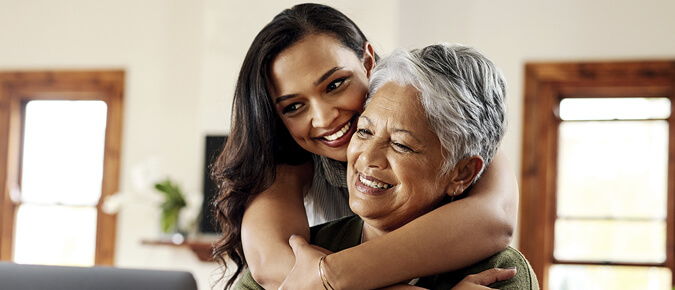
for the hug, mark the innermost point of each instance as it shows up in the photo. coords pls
(433, 121)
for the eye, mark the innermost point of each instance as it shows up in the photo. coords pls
(334, 85)
(363, 133)
(292, 108)
(401, 148)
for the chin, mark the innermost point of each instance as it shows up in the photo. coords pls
(367, 211)
(339, 154)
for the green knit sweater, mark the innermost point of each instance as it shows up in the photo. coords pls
(346, 232)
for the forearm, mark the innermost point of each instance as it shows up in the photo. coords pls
(266, 248)
(451, 237)
(448, 241)
(270, 219)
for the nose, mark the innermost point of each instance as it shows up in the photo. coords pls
(371, 154)
(323, 114)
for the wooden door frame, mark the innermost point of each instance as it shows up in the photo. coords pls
(23, 86)
(545, 85)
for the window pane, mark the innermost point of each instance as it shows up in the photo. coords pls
(614, 108)
(55, 235)
(613, 241)
(63, 152)
(571, 277)
(613, 169)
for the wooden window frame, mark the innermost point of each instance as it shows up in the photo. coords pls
(18, 88)
(545, 86)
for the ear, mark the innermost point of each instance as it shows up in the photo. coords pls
(368, 58)
(463, 174)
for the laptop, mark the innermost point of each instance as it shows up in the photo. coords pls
(31, 277)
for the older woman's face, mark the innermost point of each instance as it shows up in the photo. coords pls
(394, 159)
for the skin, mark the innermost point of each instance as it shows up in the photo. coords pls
(277, 213)
(392, 176)
(402, 155)
(319, 88)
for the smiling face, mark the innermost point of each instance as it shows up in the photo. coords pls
(394, 161)
(318, 88)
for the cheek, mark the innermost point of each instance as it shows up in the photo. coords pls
(420, 179)
(356, 97)
(296, 128)
(353, 150)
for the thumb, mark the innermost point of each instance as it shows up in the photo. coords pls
(297, 242)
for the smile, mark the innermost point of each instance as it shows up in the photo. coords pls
(374, 184)
(339, 133)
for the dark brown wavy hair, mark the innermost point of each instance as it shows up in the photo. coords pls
(258, 139)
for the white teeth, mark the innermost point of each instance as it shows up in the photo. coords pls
(374, 184)
(340, 133)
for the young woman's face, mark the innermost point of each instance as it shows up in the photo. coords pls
(318, 88)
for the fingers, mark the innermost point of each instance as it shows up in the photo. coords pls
(297, 242)
(493, 275)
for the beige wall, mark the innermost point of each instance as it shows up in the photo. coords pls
(512, 33)
(182, 58)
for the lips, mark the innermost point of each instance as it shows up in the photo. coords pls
(341, 136)
(374, 183)
(339, 133)
(371, 185)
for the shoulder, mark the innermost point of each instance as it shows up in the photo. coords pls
(339, 234)
(246, 281)
(510, 257)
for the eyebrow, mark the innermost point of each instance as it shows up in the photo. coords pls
(316, 83)
(284, 97)
(395, 130)
(327, 74)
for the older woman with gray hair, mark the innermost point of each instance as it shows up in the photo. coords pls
(433, 121)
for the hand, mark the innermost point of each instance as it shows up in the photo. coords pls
(305, 272)
(482, 279)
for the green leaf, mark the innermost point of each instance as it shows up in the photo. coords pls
(174, 201)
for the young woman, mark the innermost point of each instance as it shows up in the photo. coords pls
(301, 87)
(416, 100)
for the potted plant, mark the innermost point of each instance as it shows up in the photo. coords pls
(174, 202)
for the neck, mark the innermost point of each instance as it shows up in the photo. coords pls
(370, 232)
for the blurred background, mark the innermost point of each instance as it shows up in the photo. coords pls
(179, 60)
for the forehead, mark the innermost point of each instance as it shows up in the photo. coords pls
(311, 57)
(398, 104)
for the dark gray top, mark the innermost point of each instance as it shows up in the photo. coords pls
(346, 233)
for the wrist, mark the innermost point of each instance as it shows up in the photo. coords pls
(331, 273)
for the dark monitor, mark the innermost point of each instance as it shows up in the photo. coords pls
(214, 145)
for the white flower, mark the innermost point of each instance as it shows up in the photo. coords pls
(189, 215)
(113, 203)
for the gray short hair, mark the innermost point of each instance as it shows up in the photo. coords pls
(462, 93)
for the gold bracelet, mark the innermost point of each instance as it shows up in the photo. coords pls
(325, 282)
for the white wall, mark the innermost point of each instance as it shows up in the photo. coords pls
(182, 58)
(158, 43)
(230, 27)
(514, 32)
